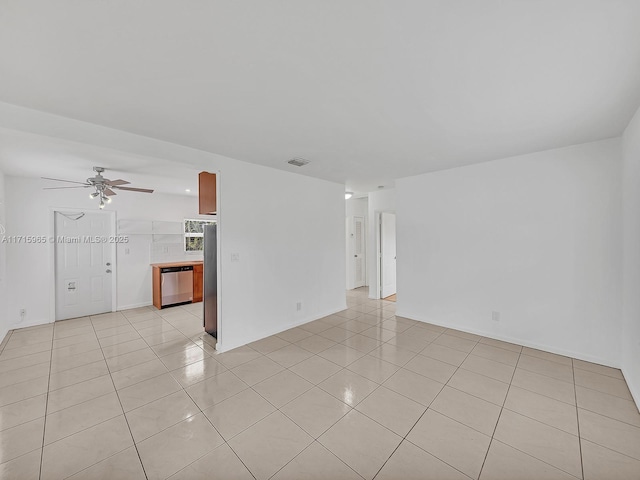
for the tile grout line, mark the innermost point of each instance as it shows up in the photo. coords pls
(538, 421)
(180, 385)
(575, 393)
(165, 396)
(536, 458)
(309, 446)
(424, 413)
(379, 385)
(100, 396)
(46, 404)
(499, 416)
(468, 353)
(183, 389)
(224, 440)
(346, 368)
(5, 341)
(608, 417)
(123, 412)
(352, 408)
(544, 375)
(279, 409)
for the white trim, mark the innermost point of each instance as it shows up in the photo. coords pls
(349, 275)
(514, 340)
(375, 295)
(219, 277)
(134, 305)
(52, 256)
(32, 323)
(633, 389)
(351, 247)
(277, 330)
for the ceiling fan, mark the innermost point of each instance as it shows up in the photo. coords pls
(103, 186)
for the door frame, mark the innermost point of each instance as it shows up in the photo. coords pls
(375, 291)
(377, 223)
(52, 256)
(350, 224)
(380, 269)
(219, 229)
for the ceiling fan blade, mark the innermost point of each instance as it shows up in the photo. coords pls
(68, 181)
(108, 192)
(113, 183)
(143, 190)
(58, 188)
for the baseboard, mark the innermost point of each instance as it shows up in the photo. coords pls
(4, 335)
(134, 305)
(633, 388)
(33, 323)
(254, 338)
(517, 341)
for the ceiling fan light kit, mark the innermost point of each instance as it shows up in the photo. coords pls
(103, 186)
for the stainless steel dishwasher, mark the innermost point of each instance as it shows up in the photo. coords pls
(177, 285)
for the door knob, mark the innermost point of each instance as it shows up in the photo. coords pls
(108, 270)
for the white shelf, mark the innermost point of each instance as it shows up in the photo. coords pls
(150, 227)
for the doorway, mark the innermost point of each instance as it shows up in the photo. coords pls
(84, 263)
(388, 255)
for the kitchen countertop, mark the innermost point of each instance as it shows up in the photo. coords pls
(177, 264)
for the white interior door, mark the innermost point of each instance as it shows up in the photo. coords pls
(83, 264)
(387, 254)
(359, 259)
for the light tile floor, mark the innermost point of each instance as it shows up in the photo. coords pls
(360, 394)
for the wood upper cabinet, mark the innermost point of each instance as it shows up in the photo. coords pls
(207, 193)
(197, 283)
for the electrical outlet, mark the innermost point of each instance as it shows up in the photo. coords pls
(298, 306)
(235, 257)
(127, 251)
(495, 316)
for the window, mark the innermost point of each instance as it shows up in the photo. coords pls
(194, 234)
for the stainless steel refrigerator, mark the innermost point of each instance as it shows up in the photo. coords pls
(210, 286)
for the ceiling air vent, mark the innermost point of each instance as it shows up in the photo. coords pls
(298, 162)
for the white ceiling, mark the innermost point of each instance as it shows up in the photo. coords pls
(369, 91)
(31, 155)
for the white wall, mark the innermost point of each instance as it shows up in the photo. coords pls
(288, 230)
(4, 321)
(535, 237)
(379, 201)
(355, 207)
(631, 270)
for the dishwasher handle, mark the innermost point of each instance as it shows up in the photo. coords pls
(184, 268)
